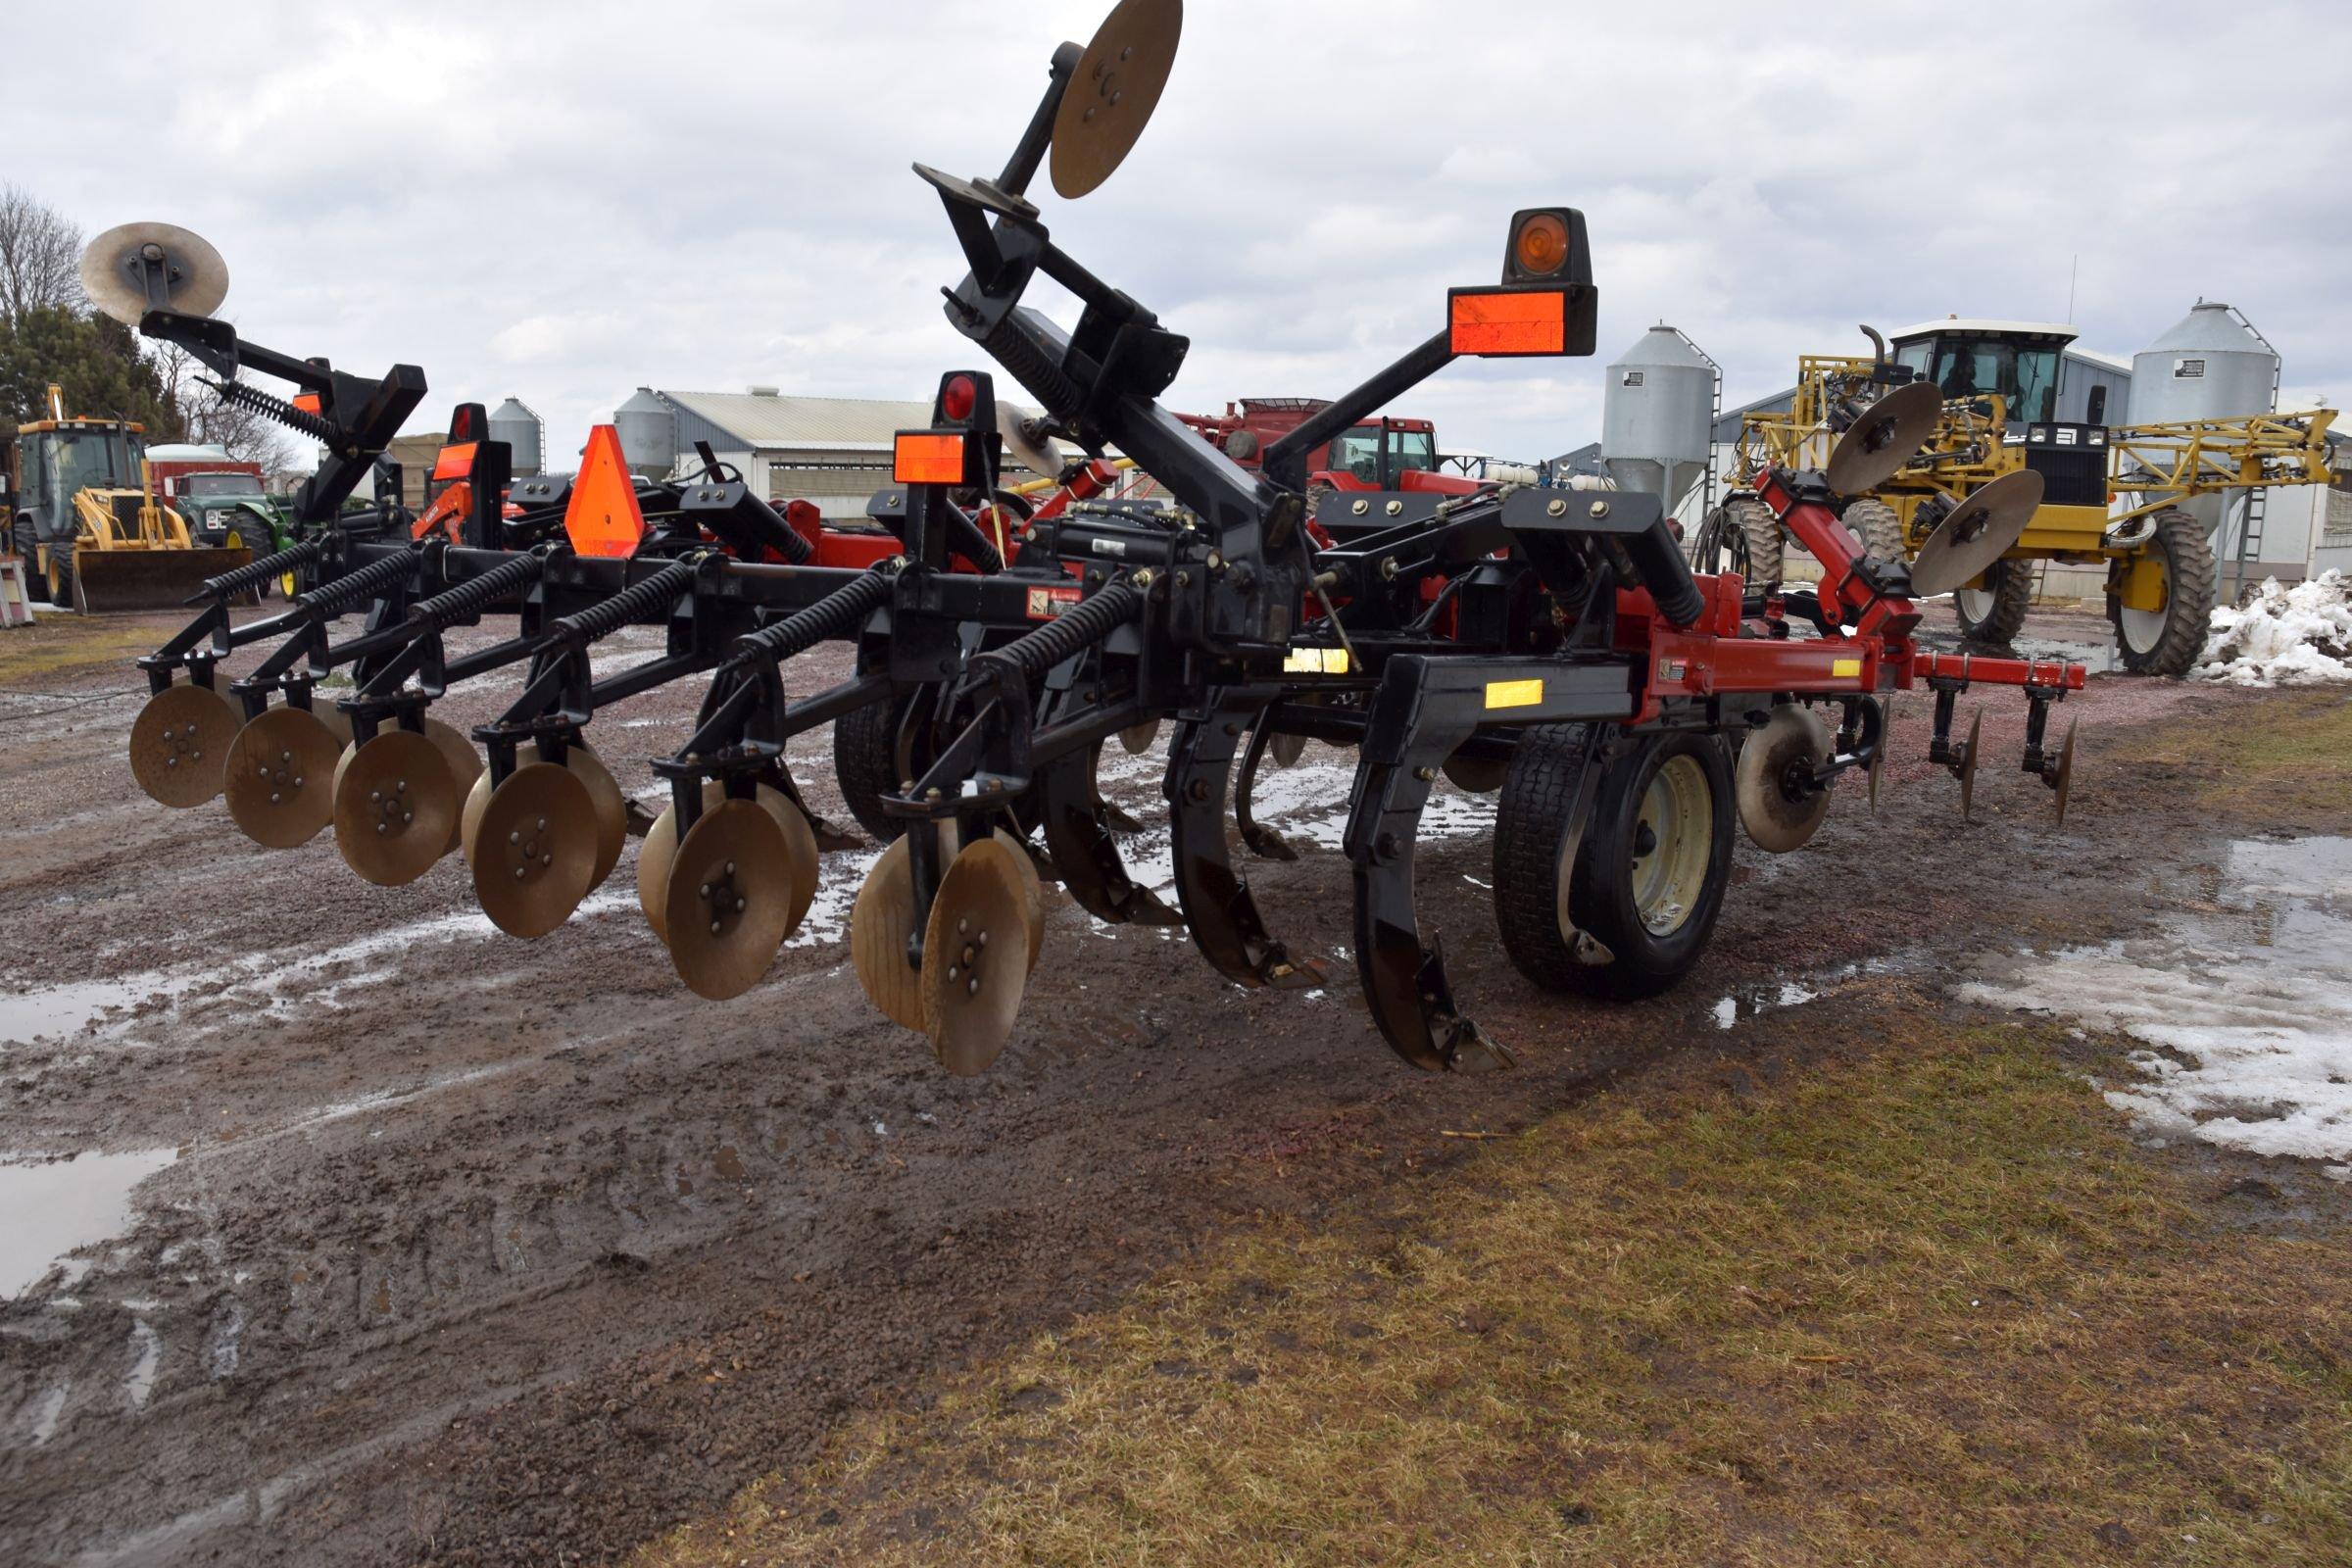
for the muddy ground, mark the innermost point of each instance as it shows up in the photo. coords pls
(367, 1234)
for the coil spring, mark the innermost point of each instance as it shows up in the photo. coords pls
(359, 584)
(1014, 350)
(837, 612)
(278, 409)
(608, 616)
(1088, 624)
(256, 572)
(470, 595)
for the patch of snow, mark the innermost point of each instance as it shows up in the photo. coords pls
(1727, 1012)
(2242, 1004)
(2295, 636)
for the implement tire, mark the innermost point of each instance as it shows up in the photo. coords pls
(1991, 616)
(1650, 870)
(869, 761)
(2166, 641)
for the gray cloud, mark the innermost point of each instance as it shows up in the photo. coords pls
(564, 202)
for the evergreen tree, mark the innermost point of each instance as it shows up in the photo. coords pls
(95, 360)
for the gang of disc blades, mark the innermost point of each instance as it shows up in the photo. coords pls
(179, 745)
(1887, 435)
(1777, 817)
(281, 777)
(1111, 94)
(729, 899)
(395, 808)
(880, 925)
(975, 957)
(1979, 531)
(198, 280)
(535, 850)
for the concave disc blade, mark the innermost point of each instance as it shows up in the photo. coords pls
(1137, 739)
(535, 850)
(1968, 766)
(1979, 531)
(1033, 894)
(1037, 458)
(1776, 818)
(198, 277)
(281, 777)
(1887, 435)
(470, 820)
(729, 899)
(612, 809)
(395, 808)
(879, 928)
(1114, 91)
(2066, 770)
(179, 745)
(654, 857)
(465, 766)
(800, 840)
(975, 957)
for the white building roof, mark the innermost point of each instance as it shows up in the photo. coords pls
(764, 422)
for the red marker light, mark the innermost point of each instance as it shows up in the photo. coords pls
(956, 397)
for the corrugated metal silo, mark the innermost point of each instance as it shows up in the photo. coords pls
(649, 433)
(1657, 414)
(2211, 365)
(513, 423)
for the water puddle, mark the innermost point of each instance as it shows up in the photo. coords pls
(51, 1208)
(58, 1011)
(2244, 1000)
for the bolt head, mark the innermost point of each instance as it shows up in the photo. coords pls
(1601, 508)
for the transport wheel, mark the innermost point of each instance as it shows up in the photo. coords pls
(873, 753)
(1760, 531)
(1994, 612)
(2173, 579)
(1876, 526)
(1649, 874)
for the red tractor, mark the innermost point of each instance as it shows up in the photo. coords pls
(1372, 456)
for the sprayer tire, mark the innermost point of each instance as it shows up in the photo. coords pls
(1762, 531)
(2010, 583)
(2171, 646)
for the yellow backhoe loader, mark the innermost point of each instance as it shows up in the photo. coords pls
(85, 519)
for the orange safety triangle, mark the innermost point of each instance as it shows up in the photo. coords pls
(604, 517)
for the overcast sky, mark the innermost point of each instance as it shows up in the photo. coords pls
(566, 202)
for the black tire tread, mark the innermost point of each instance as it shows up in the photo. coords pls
(1766, 551)
(2192, 578)
(1537, 792)
(865, 745)
(2012, 585)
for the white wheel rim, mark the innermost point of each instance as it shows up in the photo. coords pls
(2142, 629)
(1678, 810)
(1974, 603)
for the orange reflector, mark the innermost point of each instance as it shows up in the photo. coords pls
(1509, 321)
(604, 519)
(926, 457)
(455, 462)
(308, 402)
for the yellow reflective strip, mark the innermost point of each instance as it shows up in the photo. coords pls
(1514, 693)
(1845, 666)
(1315, 662)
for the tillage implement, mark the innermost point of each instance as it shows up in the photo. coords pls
(1550, 645)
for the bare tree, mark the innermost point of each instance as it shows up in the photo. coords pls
(40, 255)
(211, 419)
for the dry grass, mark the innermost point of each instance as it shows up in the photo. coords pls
(2285, 758)
(55, 642)
(1926, 1306)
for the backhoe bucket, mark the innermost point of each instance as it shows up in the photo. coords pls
(110, 581)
